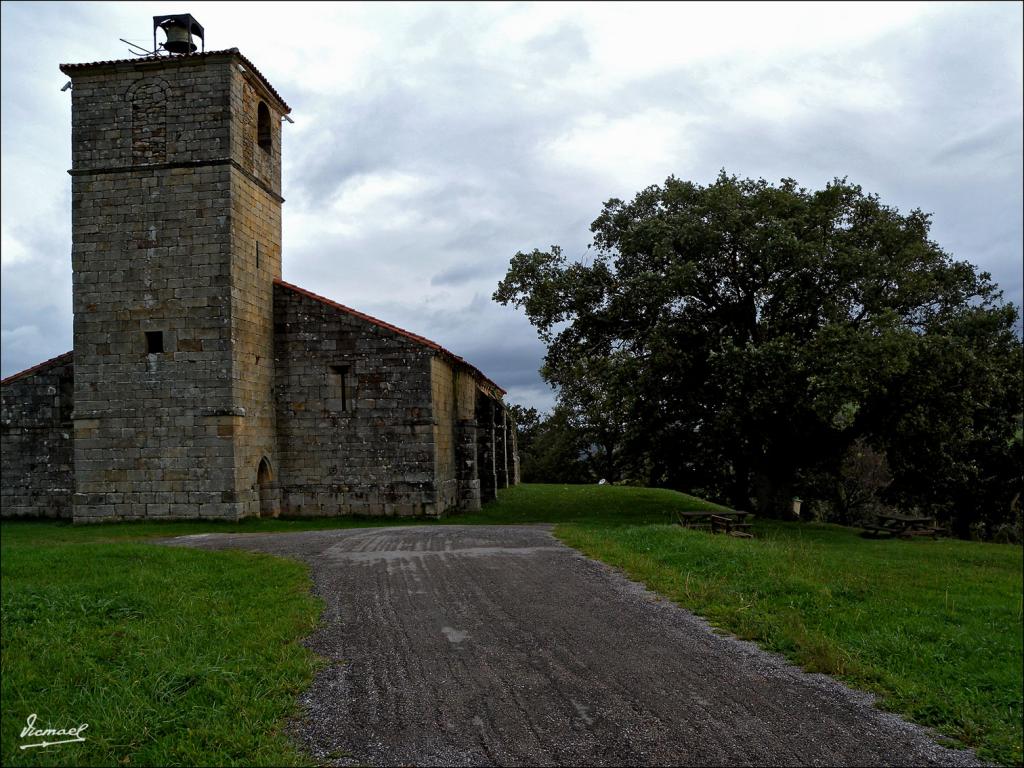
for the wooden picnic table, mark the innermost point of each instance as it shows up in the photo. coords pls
(905, 526)
(732, 522)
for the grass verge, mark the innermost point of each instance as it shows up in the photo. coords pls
(608, 505)
(172, 656)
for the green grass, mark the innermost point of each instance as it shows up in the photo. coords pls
(172, 656)
(592, 504)
(44, 532)
(178, 656)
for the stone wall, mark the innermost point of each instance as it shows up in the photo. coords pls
(165, 224)
(354, 413)
(172, 110)
(443, 388)
(36, 460)
(150, 433)
(151, 238)
(255, 264)
(454, 399)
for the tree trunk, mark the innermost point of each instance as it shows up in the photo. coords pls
(609, 462)
(774, 496)
(740, 493)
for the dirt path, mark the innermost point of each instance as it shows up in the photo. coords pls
(479, 645)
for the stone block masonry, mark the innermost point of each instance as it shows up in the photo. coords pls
(149, 411)
(36, 458)
(354, 414)
(176, 243)
(454, 392)
(373, 420)
(255, 265)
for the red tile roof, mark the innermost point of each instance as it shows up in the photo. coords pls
(69, 69)
(67, 357)
(394, 329)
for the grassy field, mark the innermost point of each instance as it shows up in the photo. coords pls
(171, 656)
(176, 656)
(605, 505)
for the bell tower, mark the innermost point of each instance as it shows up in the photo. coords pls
(176, 242)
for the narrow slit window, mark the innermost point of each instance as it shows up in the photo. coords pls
(263, 134)
(257, 254)
(67, 400)
(154, 342)
(340, 380)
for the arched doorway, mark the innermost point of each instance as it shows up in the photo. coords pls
(269, 495)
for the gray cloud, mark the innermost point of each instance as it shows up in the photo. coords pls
(416, 169)
(35, 315)
(461, 274)
(993, 143)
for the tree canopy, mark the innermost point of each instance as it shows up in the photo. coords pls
(739, 338)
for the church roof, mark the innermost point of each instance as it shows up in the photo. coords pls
(451, 356)
(67, 357)
(70, 69)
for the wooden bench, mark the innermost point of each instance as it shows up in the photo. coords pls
(731, 526)
(731, 522)
(904, 526)
(693, 519)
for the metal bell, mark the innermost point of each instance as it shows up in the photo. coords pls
(178, 39)
(181, 30)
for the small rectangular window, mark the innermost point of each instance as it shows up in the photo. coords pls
(257, 254)
(154, 342)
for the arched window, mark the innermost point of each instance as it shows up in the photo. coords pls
(263, 134)
(264, 474)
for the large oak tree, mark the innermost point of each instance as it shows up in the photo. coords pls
(738, 338)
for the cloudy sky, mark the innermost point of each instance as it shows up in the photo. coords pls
(433, 141)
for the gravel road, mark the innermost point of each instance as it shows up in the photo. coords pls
(497, 645)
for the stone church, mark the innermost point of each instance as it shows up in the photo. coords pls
(201, 385)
